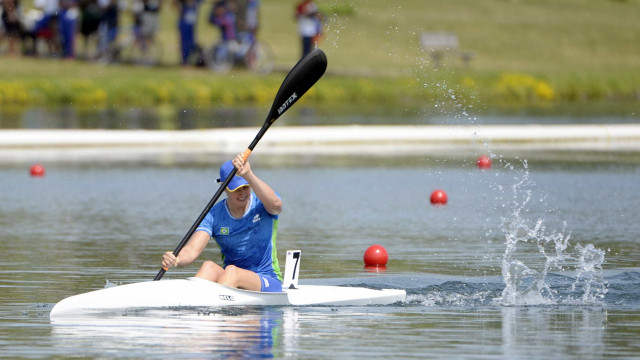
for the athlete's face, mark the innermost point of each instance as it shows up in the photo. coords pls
(239, 198)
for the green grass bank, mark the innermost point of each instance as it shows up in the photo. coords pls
(527, 56)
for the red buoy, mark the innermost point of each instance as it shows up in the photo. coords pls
(439, 197)
(375, 255)
(484, 162)
(37, 170)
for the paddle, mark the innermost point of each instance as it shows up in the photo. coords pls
(300, 79)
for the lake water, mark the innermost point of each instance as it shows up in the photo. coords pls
(527, 260)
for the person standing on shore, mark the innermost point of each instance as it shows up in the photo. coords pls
(109, 24)
(247, 16)
(223, 16)
(48, 23)
(244, 225)
(309, 25)
(90, 16)
(187, 27)
(67, 27)
(11, 13)
(149, 25)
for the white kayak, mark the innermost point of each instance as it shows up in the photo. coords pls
(197, 292)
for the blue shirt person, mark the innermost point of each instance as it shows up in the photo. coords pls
(244, 225)
(187, 27)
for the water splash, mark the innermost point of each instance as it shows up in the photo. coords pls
(589, 276)
(110, 284)
(454, 293)
(334, 23)
(533, 252)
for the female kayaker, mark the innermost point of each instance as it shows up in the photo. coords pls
(244, 225)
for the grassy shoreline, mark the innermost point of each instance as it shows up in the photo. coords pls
(530, 56)
(84, 85)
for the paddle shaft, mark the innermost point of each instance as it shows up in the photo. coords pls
(300, 79)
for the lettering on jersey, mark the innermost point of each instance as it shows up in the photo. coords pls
(256, 218)
(224, 230)
(226, 297)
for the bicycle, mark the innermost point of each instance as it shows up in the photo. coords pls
(255, 56)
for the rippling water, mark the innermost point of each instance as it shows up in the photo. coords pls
(525, 261)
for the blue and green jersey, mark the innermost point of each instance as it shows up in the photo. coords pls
(248, 242)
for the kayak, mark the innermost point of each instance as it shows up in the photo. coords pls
(195, 292)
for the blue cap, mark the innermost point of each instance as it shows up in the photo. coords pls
(236, 182)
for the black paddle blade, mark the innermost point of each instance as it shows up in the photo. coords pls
(300, 79)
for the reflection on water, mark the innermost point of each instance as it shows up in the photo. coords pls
(243, 333)
(540, 332)
(172, 118)
(157, 118)
(537, 332)
(167, 117)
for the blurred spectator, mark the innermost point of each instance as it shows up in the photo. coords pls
(50, 10)
(47, 26)
(247, 20)
(223, 16)
(90, 16)
(108, 29)
(67, 27)
(136, 8)
(11, 16)
(150, 21)
(309, 25)
(187, 27)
